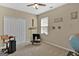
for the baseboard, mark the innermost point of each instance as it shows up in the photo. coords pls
(58, 46)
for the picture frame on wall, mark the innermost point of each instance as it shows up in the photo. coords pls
(74, 15)
(59, 27)
(53, 27)
(57, 20)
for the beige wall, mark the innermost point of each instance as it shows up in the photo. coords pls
(68, 26)
(15, 13)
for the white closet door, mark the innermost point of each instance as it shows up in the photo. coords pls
(20, 30)
(16, 27)
(9, 25)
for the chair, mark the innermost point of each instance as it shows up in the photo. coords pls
(36, 38)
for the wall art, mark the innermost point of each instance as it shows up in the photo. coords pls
(74, 15)
(57, 20)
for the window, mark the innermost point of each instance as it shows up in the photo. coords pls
(44, 25)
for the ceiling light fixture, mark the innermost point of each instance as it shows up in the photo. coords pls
(36, 5)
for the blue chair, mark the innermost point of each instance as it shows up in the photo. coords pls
(75, 42)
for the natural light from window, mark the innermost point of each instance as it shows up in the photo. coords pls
(44, 25)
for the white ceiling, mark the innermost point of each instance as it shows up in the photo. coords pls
(23, 7)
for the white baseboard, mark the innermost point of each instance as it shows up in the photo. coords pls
(58, 46)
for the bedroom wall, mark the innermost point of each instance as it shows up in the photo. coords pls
(68, 26)
(4, 11)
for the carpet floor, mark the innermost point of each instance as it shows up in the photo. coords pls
(40, 50)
